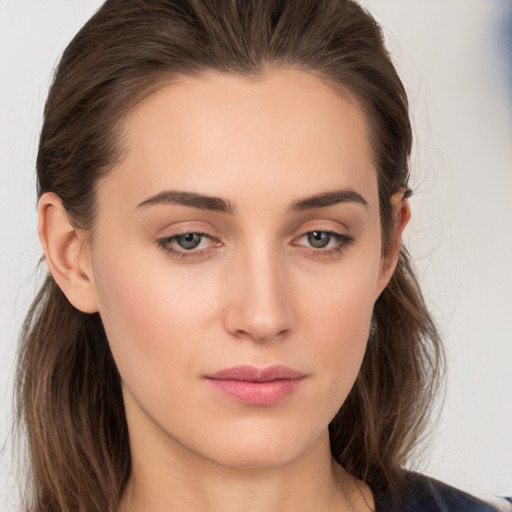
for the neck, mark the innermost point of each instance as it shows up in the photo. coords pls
(181, 480)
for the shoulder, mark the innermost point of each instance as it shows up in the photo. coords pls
(419, 493)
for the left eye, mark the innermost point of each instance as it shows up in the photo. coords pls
(318, 239)
(325, 241)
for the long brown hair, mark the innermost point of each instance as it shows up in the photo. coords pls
(68, 388)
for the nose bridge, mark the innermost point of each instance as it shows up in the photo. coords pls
(260, 307)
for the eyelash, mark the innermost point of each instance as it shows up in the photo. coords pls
(165, 244)
(343, 242)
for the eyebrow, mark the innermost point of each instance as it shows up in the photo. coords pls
(328, 199)
(217, 204)
(191, 199)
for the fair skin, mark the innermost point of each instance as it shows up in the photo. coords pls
(284, 270)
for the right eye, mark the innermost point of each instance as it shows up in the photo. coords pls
(187, 245)
(189, 240)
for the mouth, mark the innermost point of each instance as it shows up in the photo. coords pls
(255, 386)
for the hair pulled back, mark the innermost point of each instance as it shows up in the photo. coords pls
(68, 388)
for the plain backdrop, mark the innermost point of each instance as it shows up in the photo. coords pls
(455, 57)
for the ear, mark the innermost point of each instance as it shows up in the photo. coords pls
(401, 216)
(67, 253)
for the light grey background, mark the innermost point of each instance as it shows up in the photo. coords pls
(455, 57)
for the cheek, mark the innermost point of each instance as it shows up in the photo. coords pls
(154, 319)
(337, 317)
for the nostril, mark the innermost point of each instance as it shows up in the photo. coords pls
(261, 336)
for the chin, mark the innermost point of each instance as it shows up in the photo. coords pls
(260, 450)
(249, 458)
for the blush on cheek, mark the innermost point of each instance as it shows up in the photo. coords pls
(125, 310)
(150, 323)
(340, 328)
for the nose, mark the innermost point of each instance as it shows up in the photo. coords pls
(260, 300)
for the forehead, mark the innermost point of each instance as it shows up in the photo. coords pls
(215, 132)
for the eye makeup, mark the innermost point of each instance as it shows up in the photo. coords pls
(323, 243)
(188, 244)
(194, 244)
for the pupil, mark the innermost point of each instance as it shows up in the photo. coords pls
(189, 241)
(319, 239)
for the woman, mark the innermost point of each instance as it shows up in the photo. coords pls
(230, 320)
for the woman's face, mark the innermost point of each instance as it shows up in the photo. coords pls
(236, 260)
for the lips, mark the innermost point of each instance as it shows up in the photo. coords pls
(255, 386)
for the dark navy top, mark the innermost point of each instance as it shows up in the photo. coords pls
(419, 493)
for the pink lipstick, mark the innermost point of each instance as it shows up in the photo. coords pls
(253, 386)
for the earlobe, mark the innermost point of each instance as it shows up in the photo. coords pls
(401, 217)
(66, 253)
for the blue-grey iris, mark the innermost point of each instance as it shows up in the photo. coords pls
(319, 239)
(189, 241)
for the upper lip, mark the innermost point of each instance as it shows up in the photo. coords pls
(253, 374)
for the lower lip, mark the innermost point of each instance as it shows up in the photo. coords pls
(256, 393)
